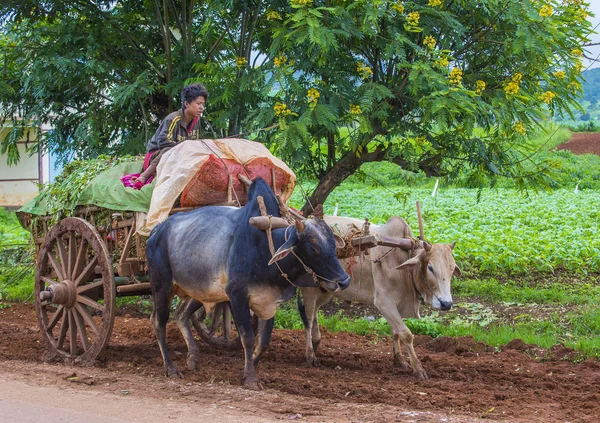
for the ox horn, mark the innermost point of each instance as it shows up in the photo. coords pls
(263, 222)
(426, 245)
(299, 226)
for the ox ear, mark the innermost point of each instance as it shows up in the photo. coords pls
(285, 249)
(452, 244)
(413, 262)
(339, 241)
(457, 271)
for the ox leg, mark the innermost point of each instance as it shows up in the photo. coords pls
(314, 299)
(163, 295)
(183, 315)
(265, 328)
(241, 313)
(401, 334)
(322, 299)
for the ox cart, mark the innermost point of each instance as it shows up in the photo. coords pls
(87, 260)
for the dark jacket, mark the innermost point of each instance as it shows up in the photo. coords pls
(172, 130)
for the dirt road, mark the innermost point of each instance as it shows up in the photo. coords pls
(356, 381)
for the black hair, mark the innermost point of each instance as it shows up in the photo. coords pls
(192, 92)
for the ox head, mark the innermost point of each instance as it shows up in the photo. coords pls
(433, 269)
(314, 244)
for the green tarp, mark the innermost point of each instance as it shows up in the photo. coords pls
(105, 190)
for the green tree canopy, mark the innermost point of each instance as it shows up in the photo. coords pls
(442, 86)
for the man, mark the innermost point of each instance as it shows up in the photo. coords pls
(177, 127)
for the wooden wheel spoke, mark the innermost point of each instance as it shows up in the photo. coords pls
(88, 318)
(72, 333)
(48, 281)
(80, 259)
(55, 265)
(62, 254)
(72, 254)
(84, 288)
(55, 318)
(63, 330)
(89, 302)
(86, 271)
(81, 329)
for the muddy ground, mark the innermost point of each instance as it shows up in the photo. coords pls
(356, 380)
(583, 143)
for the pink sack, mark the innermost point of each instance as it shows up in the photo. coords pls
(128, 181)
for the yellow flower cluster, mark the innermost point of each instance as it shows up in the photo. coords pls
(479, 86)
(582, 14)
(355, 109)
(574, 2)
(398, 7)
(442, 62)
(434, 3)
(413, 18)
(576, 52)
(363, 70)
(559, 74)
(578, 67)
(455, 76)
(546, 11)
(301, 3)
(281, 109)
(512, 87)
(280, 60)
(312, 95)
(240, 62)
(574, 86)
(547, 97)
(273, 15)
(429, 42)
(520, 128)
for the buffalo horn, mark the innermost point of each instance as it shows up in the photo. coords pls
(262, 222)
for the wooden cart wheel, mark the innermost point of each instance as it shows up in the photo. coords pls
(74, 291)
(218, 327)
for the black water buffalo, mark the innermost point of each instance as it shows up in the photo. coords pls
(213, 254)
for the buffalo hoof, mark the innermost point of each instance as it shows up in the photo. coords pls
(253, 384)
(172, 371)
(193, 362)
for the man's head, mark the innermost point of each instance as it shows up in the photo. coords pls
(193, 98)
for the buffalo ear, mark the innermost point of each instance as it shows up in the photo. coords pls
(457, 271)
(284, 250)
(413, 262)
(339, 241)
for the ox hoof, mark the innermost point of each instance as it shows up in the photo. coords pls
(420, 374)
(193, 363)
(316, 344)
(312, 361)
(172, 371)
(253, 384)
(401, 363)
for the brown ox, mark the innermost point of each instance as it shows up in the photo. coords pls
(391, 279)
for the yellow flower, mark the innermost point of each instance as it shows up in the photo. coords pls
(301, 3)
(355, 109)
(273, 15)
(578, 66)
(429, 42)
(281, 109)
(576, 52)
(434, 3)
(479, 86)
(582, 14)
(546, 11)
(280, 60)
(442, 62)
(240, 62)
(574, 86)
(559, 74)
(520, 127)
(312, 95)
(517, 77)
(413, 18)
(363, 70)
(547, 97)
(511, 88)
(574, 2)
(455, 76)
(398, 7)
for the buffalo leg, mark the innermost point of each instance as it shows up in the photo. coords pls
(241, 313)
(183, 315)
(162, 294)
(401, 334)
(265, 328)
